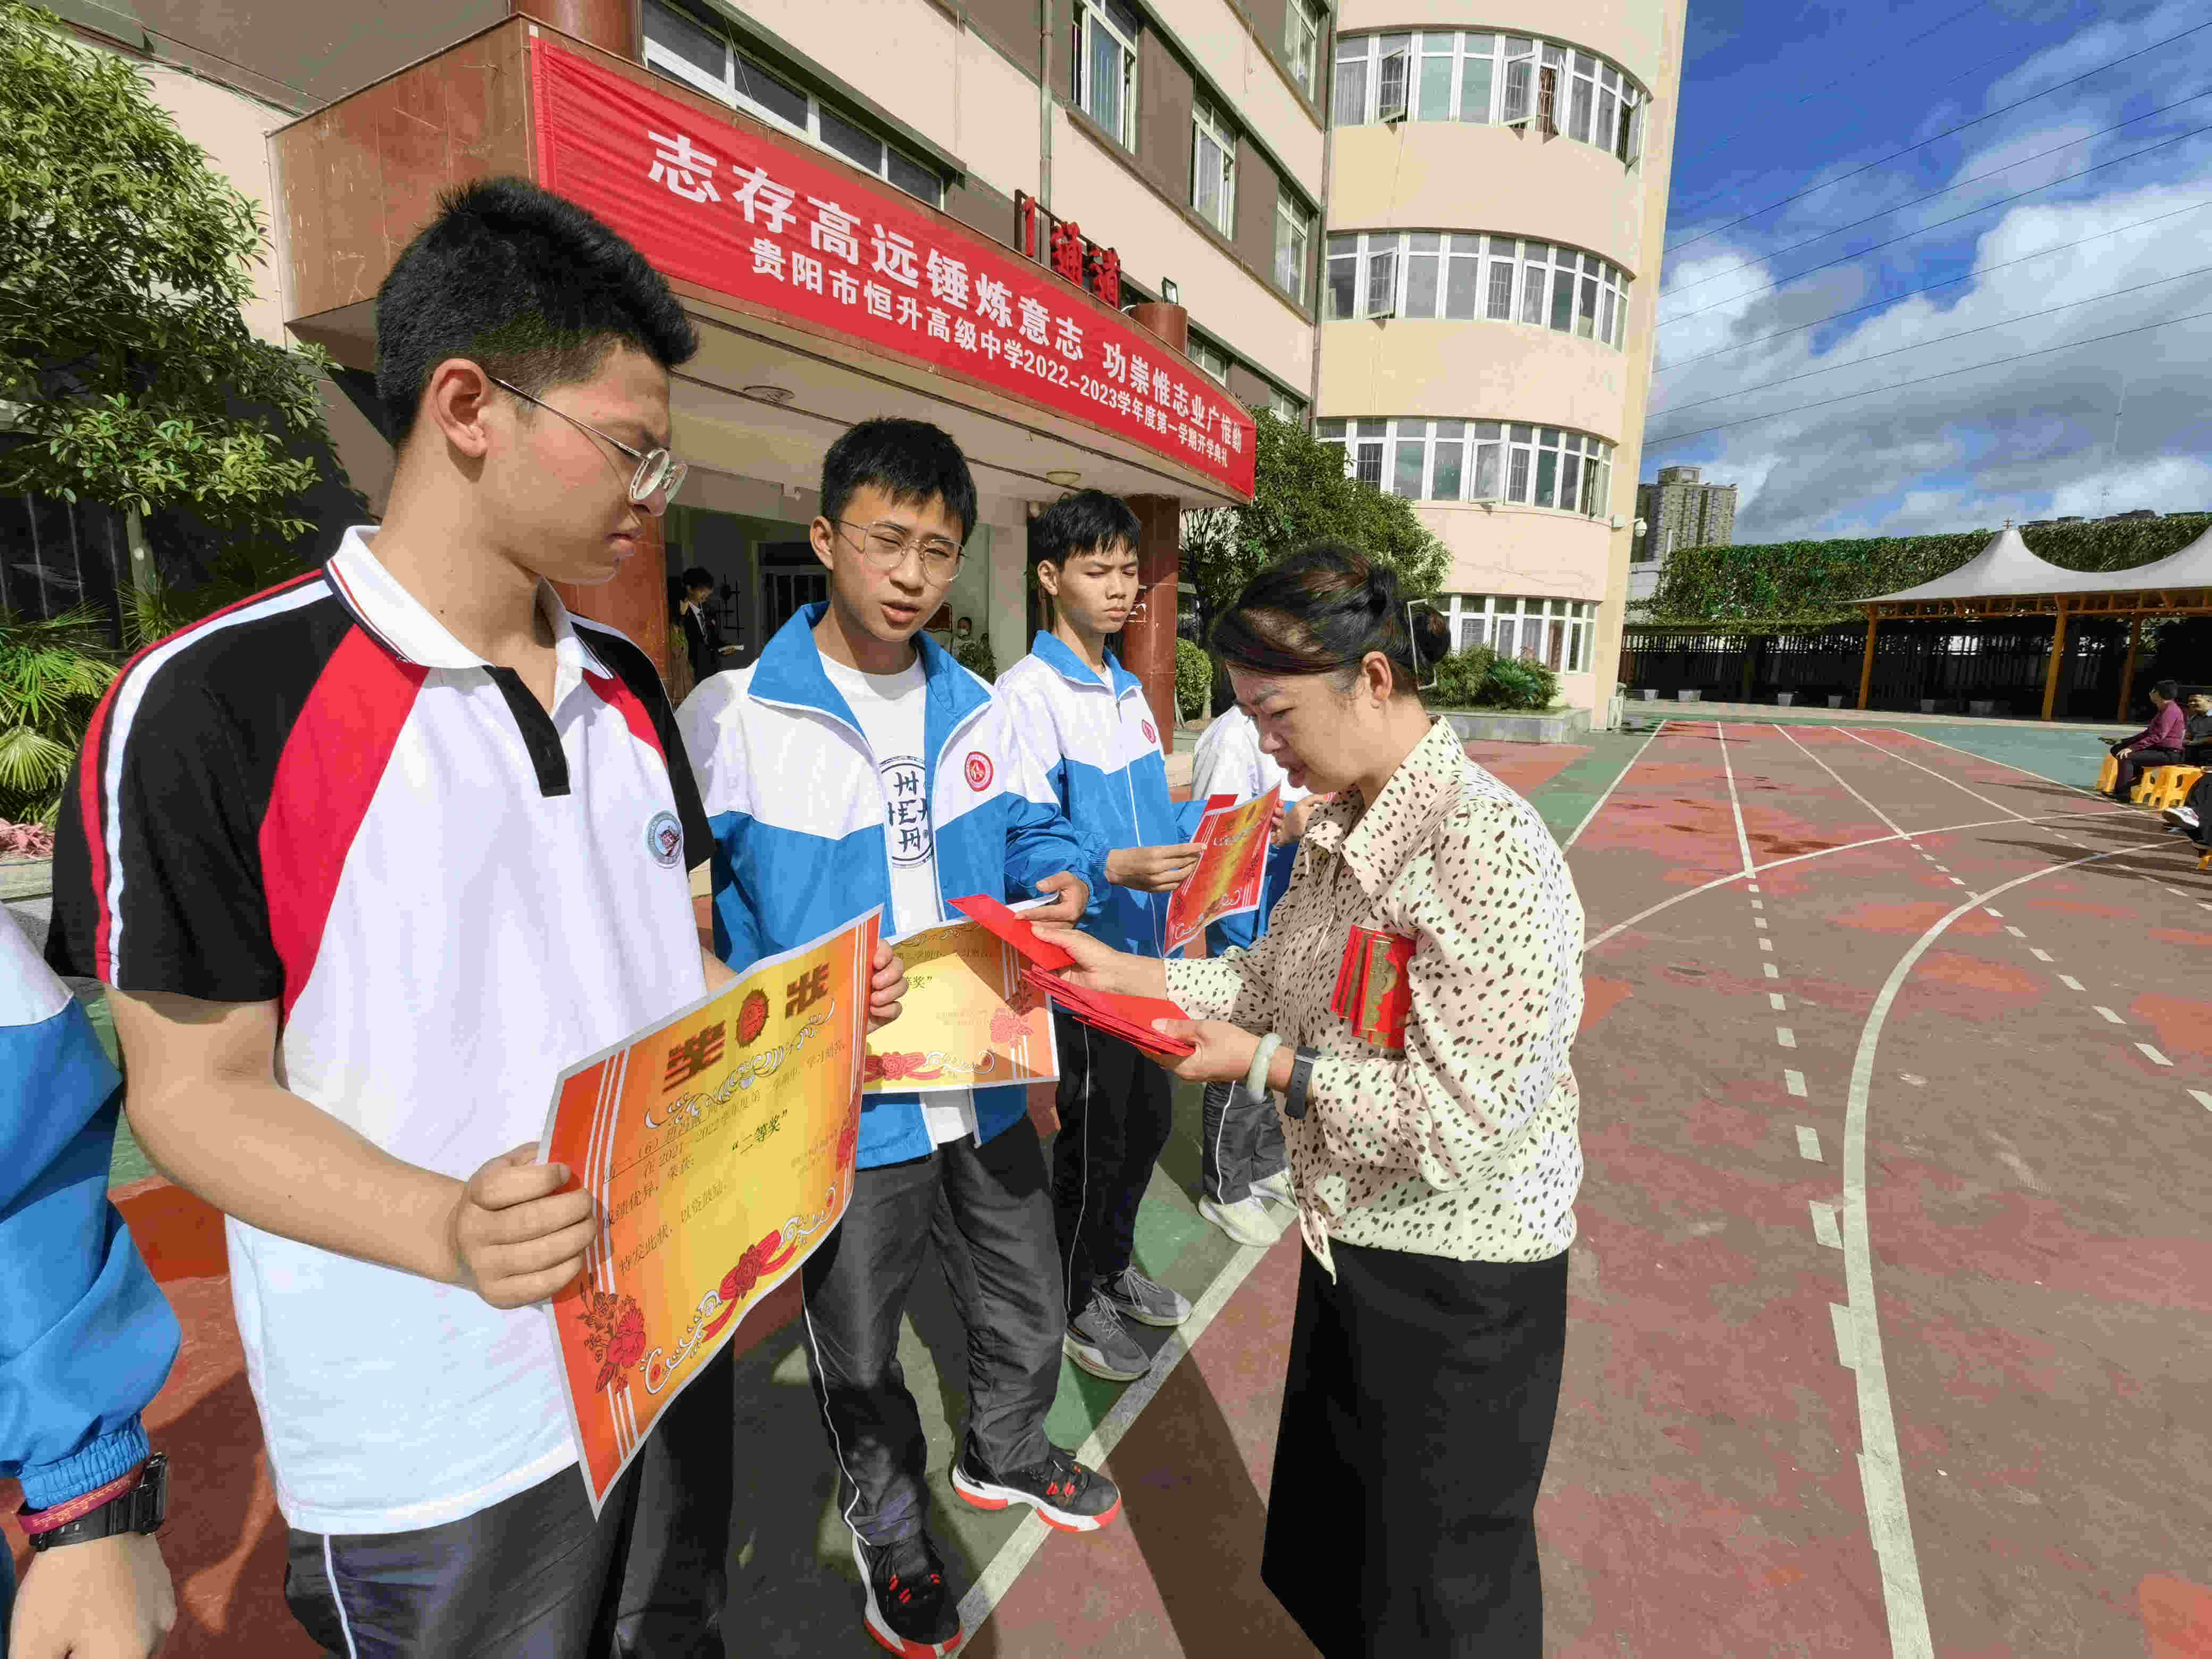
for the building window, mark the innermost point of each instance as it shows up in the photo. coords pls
(679, 46)
(1106, 66)
(1462, 276)
(1210, 357)
(1465, 75)
(1293, 235)
(1213, 169)
(1554, 632)
(1302, 30)
(1287, 406)
(1467, 460)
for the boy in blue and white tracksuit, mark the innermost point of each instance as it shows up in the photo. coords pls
(856, 764)
(1085, 721)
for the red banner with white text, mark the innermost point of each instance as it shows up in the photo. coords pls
(770, 223)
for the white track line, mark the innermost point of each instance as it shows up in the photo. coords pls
(1929, 770)
(1881, 1471)
(997, 1579)
(1894, 825)
(1591, 815)
(1620, 928)
(1742, 842)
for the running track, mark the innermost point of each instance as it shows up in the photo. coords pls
(1892, 1310)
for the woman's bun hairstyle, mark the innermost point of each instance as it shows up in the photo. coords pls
(1322, 612)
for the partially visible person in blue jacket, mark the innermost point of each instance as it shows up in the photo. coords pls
(86, 1339)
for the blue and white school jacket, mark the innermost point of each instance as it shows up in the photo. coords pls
(794, 797)
(86, 1337)
(1100, 754)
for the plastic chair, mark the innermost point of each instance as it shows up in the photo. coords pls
(2108, 774)
(2166, 786)
(2171, 784)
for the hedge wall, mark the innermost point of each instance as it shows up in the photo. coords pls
(1800, 582)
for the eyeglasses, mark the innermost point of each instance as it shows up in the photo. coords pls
(885, 547)
(660, 474)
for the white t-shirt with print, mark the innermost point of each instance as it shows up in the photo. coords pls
(889, 709)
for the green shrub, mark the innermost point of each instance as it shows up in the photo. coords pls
(1193, 679)
(974, 654)
(1459, 678)
(1518, 683)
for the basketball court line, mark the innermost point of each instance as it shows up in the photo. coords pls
(1895, 827)
(1882, 1473)
(1599, 804)
(1929, 770)
(998, 1575)
(1735, 801)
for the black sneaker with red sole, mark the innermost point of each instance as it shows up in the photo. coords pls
(909, 1610)
(1069, 1497)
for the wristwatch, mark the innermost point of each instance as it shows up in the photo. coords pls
(1294, 1092)
(142, 1508)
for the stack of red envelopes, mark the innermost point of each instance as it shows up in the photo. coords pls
(1128, 1017)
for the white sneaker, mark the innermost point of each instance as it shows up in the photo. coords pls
(1248, 1220)
(1276, 1189)
(2181, 815)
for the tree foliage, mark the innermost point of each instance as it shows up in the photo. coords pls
(1300, 497)
(1809, 582)
(134, 377)
(1193, 679)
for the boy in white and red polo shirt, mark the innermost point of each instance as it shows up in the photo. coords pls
(365, 861)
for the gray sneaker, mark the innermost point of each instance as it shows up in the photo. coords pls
(1276, 1189)
(1099, 1342)
(1133, 1295)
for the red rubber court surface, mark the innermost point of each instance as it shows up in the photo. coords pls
(1892, 1327)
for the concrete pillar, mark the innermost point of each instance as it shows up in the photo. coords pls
(1148, 643)
(636, 600)
(1007, 611)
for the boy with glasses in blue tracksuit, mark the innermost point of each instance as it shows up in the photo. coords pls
(1085, 722)
(856, 764)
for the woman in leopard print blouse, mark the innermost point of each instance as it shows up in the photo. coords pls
(1411, 1005)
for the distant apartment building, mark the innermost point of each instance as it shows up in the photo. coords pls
(1677, 512)
(1496, 203)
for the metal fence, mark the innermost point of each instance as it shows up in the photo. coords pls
(57, 555)
(1959, 666)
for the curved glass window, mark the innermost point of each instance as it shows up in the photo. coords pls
(1462, 276)
(1425, 460)
(1508, 80)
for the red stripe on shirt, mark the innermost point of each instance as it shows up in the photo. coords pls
(615, 692)
(91, 764)
(333, 760)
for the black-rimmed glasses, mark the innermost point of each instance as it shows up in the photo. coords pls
(660, 474)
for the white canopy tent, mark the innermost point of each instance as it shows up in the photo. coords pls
(2006, 578)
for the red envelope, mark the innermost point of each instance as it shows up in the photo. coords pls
(1014, 929)
(1128, 1017)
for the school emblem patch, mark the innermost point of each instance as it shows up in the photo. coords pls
(1151, 736)
(979, 770)
(664, 839)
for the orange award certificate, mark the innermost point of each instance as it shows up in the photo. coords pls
(969, 1019)
(1232, 871)
(718, 1149)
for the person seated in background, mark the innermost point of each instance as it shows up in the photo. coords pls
(2196, 729)
(2157, 744)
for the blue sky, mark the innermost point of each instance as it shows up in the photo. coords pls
(1781, 95)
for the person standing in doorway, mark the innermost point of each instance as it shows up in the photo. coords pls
(1431, 1126)
(1084, 720)
(702, 634)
